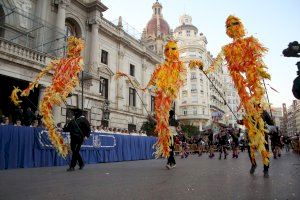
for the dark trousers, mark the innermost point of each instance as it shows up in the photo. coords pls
(171, 159)
(252, 160)
(75, 147)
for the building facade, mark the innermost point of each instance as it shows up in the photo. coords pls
(233, 101)
(293, 118)
(157, 31)
(277, 115)
(199, 103)
(34, 32)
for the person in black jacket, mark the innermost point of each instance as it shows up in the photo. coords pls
(79, 128)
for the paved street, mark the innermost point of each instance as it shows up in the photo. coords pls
(193, 178)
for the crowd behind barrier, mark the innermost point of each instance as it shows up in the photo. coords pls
(25, 147)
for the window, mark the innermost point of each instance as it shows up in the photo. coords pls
(188, 33)
(184, 93)
(132, 97)
(152, 103)
(103, 89)
(104, 57)
(151, 47)
(193, 76)
(184, 112)
(193, 88)
(194, 111)
(132, 67)
(70, 29)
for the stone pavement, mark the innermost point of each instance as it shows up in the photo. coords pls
(193, 178)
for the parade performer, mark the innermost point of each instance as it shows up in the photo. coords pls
(64, 80)
(79, 129)
(245, 65)
(167, 79)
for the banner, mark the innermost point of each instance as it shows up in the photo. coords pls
(95, 141)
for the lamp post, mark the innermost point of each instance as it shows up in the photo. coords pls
(106, 112)
(84, 76)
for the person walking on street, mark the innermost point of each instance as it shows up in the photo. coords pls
(79, 128)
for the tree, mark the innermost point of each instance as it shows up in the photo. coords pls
(149, 127)
(190, 130)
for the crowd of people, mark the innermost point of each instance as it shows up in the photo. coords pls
(225, 140)
(105, 129)
(19, 117)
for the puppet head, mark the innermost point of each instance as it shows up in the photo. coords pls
(171, 50)
(75, 46)
(234, 27)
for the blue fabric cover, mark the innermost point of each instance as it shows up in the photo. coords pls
(25, 147)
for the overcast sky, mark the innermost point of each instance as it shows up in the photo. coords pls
(274, 22)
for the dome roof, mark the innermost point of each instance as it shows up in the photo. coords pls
(152, 27)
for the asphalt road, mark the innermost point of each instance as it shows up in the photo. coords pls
(193, 178)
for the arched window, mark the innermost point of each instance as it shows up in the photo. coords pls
(72, 28)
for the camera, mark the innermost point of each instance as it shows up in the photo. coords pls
(293, 50)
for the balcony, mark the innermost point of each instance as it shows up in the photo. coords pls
(20, 53)
(30, 36)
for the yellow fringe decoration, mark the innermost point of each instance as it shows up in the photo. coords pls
(245, 65)
(64, 80)
(14, 96)
(167, 77)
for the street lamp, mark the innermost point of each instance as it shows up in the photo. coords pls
(105, 113)
(293, 50)
(83, 77)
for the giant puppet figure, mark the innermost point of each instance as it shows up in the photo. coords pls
(244, 59)
(167, 79)
(64, 80)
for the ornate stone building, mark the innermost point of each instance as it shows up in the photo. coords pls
(233, 101)
(34, 32)
(198, 103)
(157, 30)
(293, 118)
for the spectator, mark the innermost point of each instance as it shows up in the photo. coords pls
(38, 117)
(29, 117)
(34, 123)
(18, 114)
(59, 127)
(18, 122)
(5, 121)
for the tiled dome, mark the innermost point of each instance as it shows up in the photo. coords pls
(152, 26)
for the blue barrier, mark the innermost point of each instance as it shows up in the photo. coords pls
(25, 147)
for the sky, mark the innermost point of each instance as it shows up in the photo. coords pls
(274, 23)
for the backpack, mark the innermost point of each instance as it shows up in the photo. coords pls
(84, 126)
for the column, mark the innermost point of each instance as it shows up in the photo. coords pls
(61, 13)
(60, 24)
(121, 68)
(41, 10)
(94, 44)
(143, 84)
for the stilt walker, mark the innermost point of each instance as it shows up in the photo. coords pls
(167, 79)
(244, 59)
(64, 80)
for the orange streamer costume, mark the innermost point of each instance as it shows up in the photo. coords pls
(167, 79)
(64, 80)
(245, 65)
